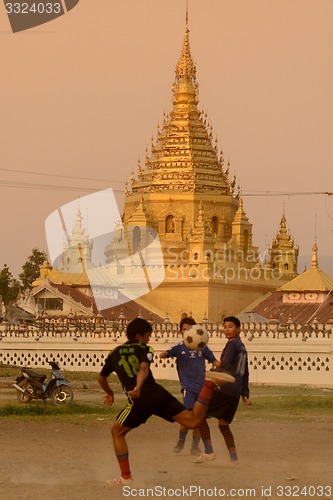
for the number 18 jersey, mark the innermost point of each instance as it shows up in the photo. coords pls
(125, 361)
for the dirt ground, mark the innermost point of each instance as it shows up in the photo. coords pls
(72, 461)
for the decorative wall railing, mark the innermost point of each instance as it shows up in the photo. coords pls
(278, 354)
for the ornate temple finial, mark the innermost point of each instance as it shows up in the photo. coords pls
(283, 227)
(139, 167)
(185, 65)
(240, 200)
(314, 260)
(283, 251)
(240, 215)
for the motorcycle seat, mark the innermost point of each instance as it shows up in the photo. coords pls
(32, 374)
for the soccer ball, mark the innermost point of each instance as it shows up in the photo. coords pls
(196, 337)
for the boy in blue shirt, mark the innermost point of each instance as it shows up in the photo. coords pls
(191, 366)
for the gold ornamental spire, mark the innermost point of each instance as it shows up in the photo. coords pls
(240, 217)
(183, 157)
(314, 260)
(283, 238)
(283, 226)
(185, 65)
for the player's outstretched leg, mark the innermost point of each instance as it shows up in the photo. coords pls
(192, 419)
(218, 378)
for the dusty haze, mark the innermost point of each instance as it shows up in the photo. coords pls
(82, 96)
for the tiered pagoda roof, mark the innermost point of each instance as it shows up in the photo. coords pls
(183, 158)
(283, 240)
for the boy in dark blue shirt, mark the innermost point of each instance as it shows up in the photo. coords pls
(225, 399)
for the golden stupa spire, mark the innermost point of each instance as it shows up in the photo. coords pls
(283, 237)
(314, 260)
(240, 217)
(184, 156)
(185, 65)
(283, 226)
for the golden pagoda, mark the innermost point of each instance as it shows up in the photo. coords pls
(284, 252)
(184, 193)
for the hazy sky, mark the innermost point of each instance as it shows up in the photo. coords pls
(83, 95)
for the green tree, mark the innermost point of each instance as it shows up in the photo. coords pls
(31, 268)
(9, 286)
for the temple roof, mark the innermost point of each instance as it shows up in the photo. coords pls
(61, 278)
(274, 308)
(183, 157)
(87, 304)
(314, 279)
(95, 276)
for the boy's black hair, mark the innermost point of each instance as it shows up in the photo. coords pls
(233, 320)
(138, 325)
(187, 321)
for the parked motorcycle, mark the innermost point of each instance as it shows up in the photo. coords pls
(34, 385)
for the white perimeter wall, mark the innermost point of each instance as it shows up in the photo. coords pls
(289, 354)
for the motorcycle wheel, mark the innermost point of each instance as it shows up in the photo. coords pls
(23, 397)
(62, 395)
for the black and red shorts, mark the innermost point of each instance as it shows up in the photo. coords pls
(222, 406)
(155, 400)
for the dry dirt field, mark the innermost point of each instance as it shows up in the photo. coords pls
(72, 461)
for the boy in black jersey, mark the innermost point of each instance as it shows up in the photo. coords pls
(131, 363)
